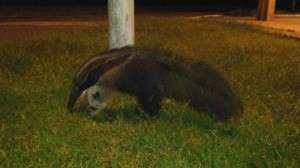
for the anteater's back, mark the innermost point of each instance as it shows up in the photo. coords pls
(149, 74)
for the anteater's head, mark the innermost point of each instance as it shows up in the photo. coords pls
(93, 69)
(91, 95)
(94, 99)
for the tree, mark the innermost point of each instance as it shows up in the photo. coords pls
(266, 9)
(293, 5)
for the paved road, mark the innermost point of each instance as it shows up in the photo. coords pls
(286, 24)
(289, 25)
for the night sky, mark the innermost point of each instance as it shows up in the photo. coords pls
(213, 4)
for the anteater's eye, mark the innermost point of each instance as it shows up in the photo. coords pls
(96, 95)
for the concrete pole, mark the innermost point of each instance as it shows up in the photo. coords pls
(266, 9)
(121, 23)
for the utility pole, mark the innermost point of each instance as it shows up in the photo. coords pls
(121, 23)
(266, 9)
(121, 34)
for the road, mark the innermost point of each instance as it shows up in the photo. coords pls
(289, 25)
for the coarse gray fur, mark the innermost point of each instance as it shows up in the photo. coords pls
(151, 76)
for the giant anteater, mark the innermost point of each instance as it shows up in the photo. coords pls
(150, 76)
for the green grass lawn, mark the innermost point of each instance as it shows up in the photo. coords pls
(36, 130)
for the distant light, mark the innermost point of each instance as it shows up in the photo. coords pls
(205, 16)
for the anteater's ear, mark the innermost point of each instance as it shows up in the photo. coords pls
(93, 69)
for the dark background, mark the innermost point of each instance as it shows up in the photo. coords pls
(196, 4)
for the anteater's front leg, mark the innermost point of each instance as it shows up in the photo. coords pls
(149, 104)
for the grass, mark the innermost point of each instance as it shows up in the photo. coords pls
(36, 130)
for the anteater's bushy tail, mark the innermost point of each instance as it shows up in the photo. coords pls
(217, 97)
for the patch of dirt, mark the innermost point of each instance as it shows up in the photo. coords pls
(29, 32)
(51, 23)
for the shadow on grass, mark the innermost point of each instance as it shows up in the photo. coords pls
(171, 116)
(10, 101)
(129, 114)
